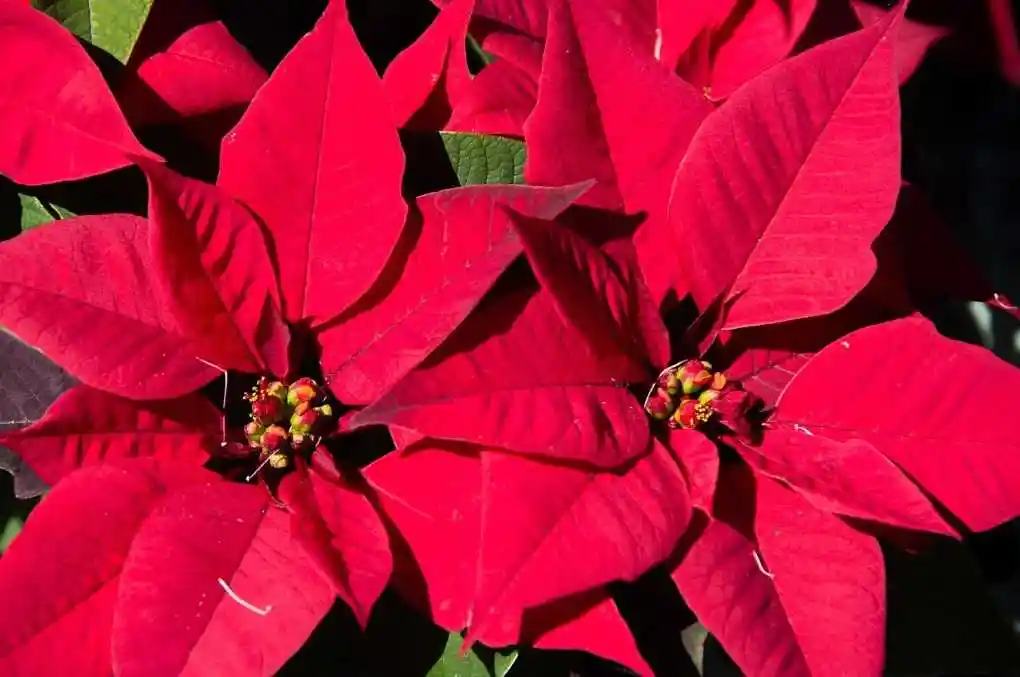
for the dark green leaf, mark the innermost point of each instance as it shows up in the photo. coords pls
(481, 158)
(111, 25)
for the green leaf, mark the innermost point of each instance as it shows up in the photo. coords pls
(482, 158)
(475, 663)
(36, 212)
(483, 56)
(10, 529)
(504, 662)
(111, 25)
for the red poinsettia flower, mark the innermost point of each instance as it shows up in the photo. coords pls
(821, 458)
(331, 293)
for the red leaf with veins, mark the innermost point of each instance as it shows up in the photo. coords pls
(595, 82)
(60, 121)
(603, 298)
(80, 290)
(720, 581)
(761, 202)
(209, 257)
(753, 37)
(60, 577)
(850, 478)
(440, 274)
(339, 528)
(87, 427)
(830, 579)
(940, 409)
(436, 60)
(318, 158)
(174, 617)
(913, 41)
(765, 372)
(516, 376)
(495, 534)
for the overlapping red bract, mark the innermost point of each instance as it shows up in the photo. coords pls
(527, 474)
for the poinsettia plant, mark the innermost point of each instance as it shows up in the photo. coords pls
(676, 334)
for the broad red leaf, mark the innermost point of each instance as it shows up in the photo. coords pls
(516, 376)
(342, 533)
(436, 60)
(720, 581)
(89, 427)
(762, 195)
(595, 82)
(175, 617)
(318, 158)
(753, 37)
(830, 579)
(940, 409)
(913, 41)
(203, 70)
(209, 258)
(494, 534)
(59, 120)
(437, 277)
(80, 290)
(497, 101)
(59, 578)
(599, 630)
(850, 478)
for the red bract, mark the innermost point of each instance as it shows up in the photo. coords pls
(60, 120)
(194, 290)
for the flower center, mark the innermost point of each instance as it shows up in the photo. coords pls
(286, 419)
(685, 394)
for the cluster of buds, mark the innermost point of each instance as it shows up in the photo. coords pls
(286, 419)
(685, 394)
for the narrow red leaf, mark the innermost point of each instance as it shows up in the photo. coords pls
(209, 257)
(342, 533)
(175, 617)
(939, 409)
(516, 376)
(681, 21)
(80, 290)
(761, 208)
(516, 534)
(435, 60)
(318, 158)
(603, 298)
(699, 459)
(913, 41)
(87, 427)
(851, 478)
(438, 276)
(831, 582)
(59, 578)
(599, 630)
(737, 602)
(751, 38)
(59, 120)
(595, 82)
